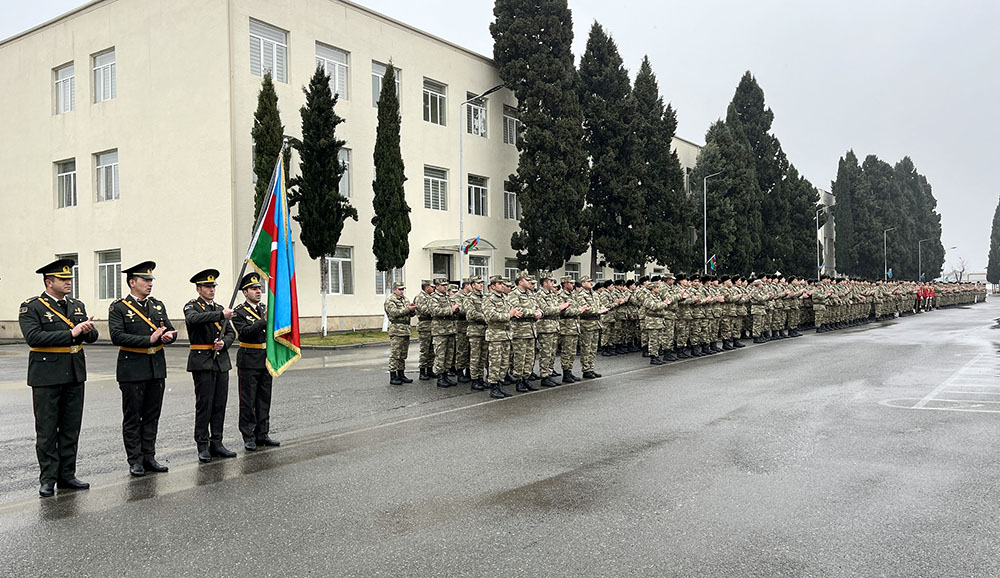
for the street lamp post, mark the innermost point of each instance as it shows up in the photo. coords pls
(704, 217)
(885, 255)
(461, 178)
(920, 260)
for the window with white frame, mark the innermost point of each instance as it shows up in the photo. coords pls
(510, 123)
(599, 275)
(479, 266)
(340, 272)
(573, 270)
(109, 274)
(478, 201)
(510, 269)
(66, 183)
(385, 279)
(75, 294)
(107, 176)
(475, 116)
(268, 50)
(434, 102)
(104, 76)
(335, 62)
(65, 89)
(618, 275)
(344, 156)
(511, 208)
(378, 73)
(435, 188)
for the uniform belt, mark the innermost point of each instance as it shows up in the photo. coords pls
(244, 345)
(483, 323)
(202, 347)
(420, 318)
(147, 351)
(67, 349)
(590, 317)
(522, 319)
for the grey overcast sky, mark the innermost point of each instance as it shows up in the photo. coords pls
(883, 77)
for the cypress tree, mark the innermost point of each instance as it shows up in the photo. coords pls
(993, 264)
(321, 209)
(268, 135)
(844, 189)
(617, 207)
(532, 49)
(391, 244)
(669, 210)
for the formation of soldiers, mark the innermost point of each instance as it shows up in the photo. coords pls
(56, 326)
(498, 336)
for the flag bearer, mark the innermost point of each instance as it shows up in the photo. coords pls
(255, 381)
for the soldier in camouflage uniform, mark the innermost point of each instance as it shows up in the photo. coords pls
(443, 328)
(758, 309)
(423, 303)
(547, 327)
(653, 307)
(590, 326)
(682, 330)
(497, 314)
(569, 328)
(478, 348)
(399, 311)
(462, 334)
(669, 293)
(640, 294)
(524, 314)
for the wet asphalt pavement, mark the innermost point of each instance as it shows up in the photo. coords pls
(865, 452)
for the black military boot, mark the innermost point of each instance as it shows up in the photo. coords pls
(497, 392)
(425, 374)
(759, 339)
(548, 382)
(402, 377)
(568, 377)
(463, 376)
(522, 386)
(736, 344)
(478, 385)
(726, 346)
(645, 351)
(533, 376)
(606, 351)
(394, 378)
(714, 347)
(508, 379)
(655, 360)
(220, 451)
(682, 353)
(528, 384)
(590, 374)
(443, 380)
(669, 355)
(696, 351)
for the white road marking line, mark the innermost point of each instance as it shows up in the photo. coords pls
(950, 382)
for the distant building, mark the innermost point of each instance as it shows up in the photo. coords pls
(129, 130)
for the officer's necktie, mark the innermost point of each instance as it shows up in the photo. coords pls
(62, 305)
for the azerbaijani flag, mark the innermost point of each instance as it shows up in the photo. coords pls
(271, 255)
(712, 263)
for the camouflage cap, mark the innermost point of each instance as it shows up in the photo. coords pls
(497, 279)
(668, 275)
(399, 285)
(585, 278)
(566, 279)
(452, 287)
(543, 275)
(440, 281)
(522, 274)
(475, 279)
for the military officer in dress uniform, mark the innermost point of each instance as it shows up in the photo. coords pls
(55, 328)
(399, 312)
(211, 335)
(140, 328)
(255, 381)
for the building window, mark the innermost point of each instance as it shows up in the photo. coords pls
(573, 270)
(475, 116)
(75, 294)
(618, 275)
(599, 275)
(65, 89)
(334, 62)
(479, 266)
(109, 274)
(344, 156)
(268, 50)
(66, 183)
(510, 123)
(435, 189)
(385, 279)
(511, 208)
(107, 176)
(478, 202)
(510, 269)
(104, 76)
(434, 102)
(340, 272)
(378, 73)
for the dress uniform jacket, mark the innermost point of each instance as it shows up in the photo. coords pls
(251, 327)
(131, 324)
(56, 357)
(203, 321)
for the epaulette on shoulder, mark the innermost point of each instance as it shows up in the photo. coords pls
(29, 300)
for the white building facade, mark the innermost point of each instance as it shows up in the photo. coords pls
(130, 124)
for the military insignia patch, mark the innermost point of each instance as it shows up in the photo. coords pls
(77, 311)
(189, 306)
(111, 307)
(158, 308)
(24, 309)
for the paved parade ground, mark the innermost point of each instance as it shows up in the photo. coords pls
(869, 451)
